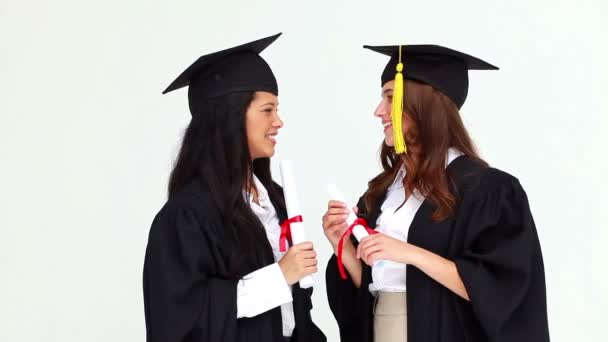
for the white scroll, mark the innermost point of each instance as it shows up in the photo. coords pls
(298, 234)
(358, 231)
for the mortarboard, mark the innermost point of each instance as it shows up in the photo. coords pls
(237, 69)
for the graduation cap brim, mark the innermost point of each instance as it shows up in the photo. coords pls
(473, 63)
(203, 62)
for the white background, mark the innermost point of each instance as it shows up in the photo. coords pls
(87, 140)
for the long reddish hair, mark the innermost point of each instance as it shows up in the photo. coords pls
(437, 126)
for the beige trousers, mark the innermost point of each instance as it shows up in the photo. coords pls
(390, 317)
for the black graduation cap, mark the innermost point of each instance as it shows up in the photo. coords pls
(444, 69)
(237, 69)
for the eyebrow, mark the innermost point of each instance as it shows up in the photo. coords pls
(386, 91)
(269, 103)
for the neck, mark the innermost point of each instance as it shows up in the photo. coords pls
(251, 189)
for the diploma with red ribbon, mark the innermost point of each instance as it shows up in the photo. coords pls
(285, 238)
(292, 229)
(356, 226)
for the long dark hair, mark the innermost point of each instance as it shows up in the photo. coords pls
(437, 127)
(214, 151)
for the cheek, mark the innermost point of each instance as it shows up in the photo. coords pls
(387, 105)
(254, 124)
(253, 133)
(256, 131)
(407, 124)
(250, 131)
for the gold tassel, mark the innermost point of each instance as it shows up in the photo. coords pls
(397, 109)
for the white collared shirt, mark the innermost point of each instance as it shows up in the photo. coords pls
(266, 288)
(395, 220)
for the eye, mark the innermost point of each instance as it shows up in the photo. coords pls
(268, 111)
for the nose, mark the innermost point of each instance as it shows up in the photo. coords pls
(382, 109)
(278, 123)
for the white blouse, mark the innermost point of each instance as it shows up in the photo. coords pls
(395, 220)
(266, 288)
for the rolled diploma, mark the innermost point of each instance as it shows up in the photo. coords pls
(298, 234)
(358, 231)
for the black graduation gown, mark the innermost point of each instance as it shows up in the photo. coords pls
(189, 295)
(493, 241)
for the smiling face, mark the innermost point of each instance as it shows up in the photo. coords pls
(262, 125)
(383, 112)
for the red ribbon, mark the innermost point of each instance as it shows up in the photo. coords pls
(358, 222)
(285, 236)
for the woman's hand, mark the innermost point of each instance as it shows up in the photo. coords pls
(383, 247)
(334, 222)
(299, 261)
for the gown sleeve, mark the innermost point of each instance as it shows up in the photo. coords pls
(501, 263)
(184, 297)
(344, 297)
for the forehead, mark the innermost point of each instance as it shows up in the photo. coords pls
(265, 97)
(388, 86)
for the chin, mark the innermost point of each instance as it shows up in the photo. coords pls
(267, 154)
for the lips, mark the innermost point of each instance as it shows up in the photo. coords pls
(272, 137)
(386, 125)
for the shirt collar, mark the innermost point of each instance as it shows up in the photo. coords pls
(263, 199)
(398, 181)
(450, 156)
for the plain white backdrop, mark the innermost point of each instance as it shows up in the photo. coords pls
(87, 140)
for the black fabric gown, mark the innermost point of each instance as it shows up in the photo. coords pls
(189, 295)
(493, 241)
